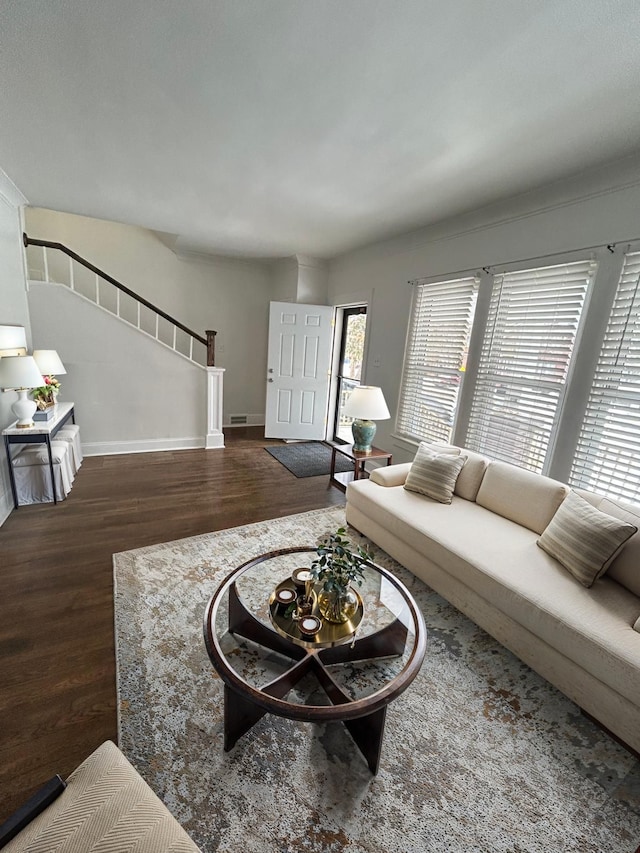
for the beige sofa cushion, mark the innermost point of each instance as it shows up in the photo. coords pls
(434, 474)
(522, 496)
(470, 479)
(584, 539)
(625, 567)
(107, 805)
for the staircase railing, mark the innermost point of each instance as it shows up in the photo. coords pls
(208, 339)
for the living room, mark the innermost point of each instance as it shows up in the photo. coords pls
(574, 197)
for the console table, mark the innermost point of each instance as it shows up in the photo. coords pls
(40, 433)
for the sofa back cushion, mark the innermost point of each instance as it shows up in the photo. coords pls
(470, 477)
(625, 569)
(522, 496)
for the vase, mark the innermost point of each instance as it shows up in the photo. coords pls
(338, 605)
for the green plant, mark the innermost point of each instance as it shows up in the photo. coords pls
(338, 563)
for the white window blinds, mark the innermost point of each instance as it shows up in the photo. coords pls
(531, 329)
(607, 459)
(437, 344)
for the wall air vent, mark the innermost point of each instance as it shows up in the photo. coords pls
(236, 420)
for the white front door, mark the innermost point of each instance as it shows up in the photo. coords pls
(298, 367)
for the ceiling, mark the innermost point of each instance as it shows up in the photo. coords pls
(265, 128)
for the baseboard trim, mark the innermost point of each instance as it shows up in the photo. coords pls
(148, 445)
(252, 420)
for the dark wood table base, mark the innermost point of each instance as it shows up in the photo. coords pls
(241, 713)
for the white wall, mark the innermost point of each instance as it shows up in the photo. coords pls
(595, 208)
(300, 278)
(13, 307)
(130, 393)
(228, 295)
(313, 277)
(284, 280)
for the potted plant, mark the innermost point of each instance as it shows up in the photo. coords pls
(45, 396)
(337, 566)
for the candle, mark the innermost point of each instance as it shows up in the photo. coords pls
(285, 596)
(300, 577)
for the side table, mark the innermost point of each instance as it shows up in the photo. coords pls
(358, 458)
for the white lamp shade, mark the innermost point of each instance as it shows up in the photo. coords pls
(49, 362)
(20, 371)
(13, 340)
(367, 403)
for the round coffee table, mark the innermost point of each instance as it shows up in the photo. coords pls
(268, 666)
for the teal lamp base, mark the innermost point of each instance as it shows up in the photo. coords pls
(363, 433)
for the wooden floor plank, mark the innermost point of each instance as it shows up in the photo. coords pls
(57, 671)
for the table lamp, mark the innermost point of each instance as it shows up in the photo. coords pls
(48, 362)
(13, 340)
(20, 373)
(366, 404)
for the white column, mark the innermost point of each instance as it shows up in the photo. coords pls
(215, 436)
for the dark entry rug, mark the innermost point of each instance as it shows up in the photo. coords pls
(308, 459)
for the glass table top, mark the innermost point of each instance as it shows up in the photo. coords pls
(360, 664)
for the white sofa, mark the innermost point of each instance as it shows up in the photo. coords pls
(480, 553)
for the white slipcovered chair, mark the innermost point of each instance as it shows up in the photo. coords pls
(71, 434)
(33, 475)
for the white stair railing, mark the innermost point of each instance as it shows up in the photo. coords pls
(107, 294)
(105, 284)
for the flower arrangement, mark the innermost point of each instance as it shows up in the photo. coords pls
(337, 564)
(45, 396)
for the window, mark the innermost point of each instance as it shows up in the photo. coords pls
(354, 327)
(607, 458)
(529, 337)
(441, 320)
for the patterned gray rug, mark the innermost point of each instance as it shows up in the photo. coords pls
(308, 458)
(480, 754)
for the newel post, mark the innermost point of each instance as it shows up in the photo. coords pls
(215, 436)
(211, 347)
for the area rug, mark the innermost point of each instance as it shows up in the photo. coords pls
(308, 458)
(480, 753)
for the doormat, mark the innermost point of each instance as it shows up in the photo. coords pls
(309, 459)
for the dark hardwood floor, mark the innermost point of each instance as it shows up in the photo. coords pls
(57, 676)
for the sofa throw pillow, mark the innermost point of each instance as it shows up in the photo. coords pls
(434, 474)
(584, 539)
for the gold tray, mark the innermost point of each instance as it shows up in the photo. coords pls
(330, 634)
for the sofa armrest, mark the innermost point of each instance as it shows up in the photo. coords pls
(104, 799)
(36, 804)
(392, 475)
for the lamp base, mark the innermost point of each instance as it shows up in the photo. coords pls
(24, 409)
(363, 434)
